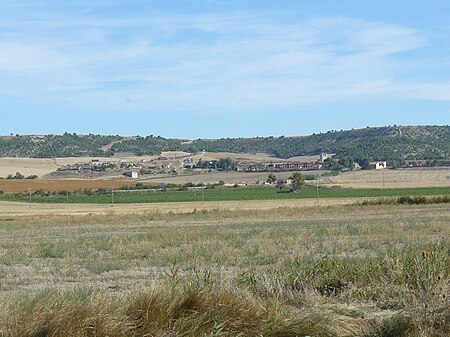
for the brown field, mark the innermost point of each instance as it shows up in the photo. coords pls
(25, 185)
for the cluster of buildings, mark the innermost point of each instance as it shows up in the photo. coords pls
(174, 165)
(270, 166)
(101, 166)
(377, 165)
(285, 165)
(129, 169)
(292, 165)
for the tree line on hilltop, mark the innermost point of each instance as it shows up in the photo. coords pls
(393, 144)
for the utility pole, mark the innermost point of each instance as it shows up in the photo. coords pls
(112, 197)
(383, 178)
(203, 193)
(317, 188)
(29, 195)
(67, 194)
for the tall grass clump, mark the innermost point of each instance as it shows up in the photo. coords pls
(409, 200)
(187, 311)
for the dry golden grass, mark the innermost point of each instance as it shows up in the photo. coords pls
(20, 209)
(342, 270)
(402, 178)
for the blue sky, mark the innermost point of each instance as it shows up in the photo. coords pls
(218, 68)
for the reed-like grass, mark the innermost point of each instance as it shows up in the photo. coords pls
(374, 270)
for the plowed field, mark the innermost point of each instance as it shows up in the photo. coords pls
(15, 186)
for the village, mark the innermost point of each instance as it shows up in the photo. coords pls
(190, 164)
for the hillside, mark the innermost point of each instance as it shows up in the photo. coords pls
(382, 143)
(66, 145)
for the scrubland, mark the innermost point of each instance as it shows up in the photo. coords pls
(342, 270)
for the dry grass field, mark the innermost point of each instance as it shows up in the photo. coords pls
(9, 209)
(426, 177)
(270, 269)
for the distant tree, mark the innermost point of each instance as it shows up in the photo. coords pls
(19, 176)
(364, 162)
(298, 181)
(280, 184)
(271, 179)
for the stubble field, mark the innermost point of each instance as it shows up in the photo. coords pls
(273, 270)
(401, 178)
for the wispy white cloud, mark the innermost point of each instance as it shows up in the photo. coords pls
(209, 63)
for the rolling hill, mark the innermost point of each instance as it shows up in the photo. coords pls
(380, 143)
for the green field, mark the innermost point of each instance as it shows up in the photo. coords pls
(223, 194)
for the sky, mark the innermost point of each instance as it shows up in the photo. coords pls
(218, 68)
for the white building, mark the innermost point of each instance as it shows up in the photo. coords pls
(325, 156)
(131, 174)
(378, 165)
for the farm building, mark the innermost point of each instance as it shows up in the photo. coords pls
(277, 166)
(131, 174)
(247, 166)
(291, 165)
(325, 156)
(377, 165)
